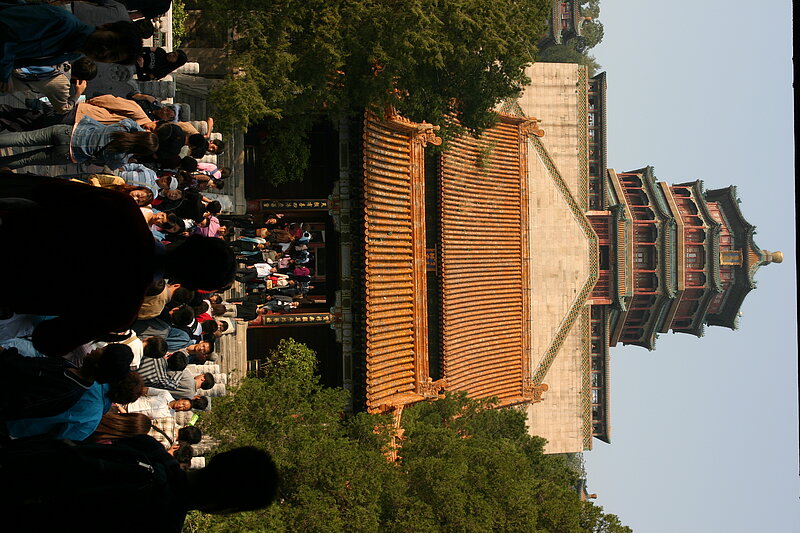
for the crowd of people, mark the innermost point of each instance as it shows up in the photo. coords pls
(112, 281)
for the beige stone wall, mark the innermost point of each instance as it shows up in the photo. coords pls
(559, 255)
(552, 97)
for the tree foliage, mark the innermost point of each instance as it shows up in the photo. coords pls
(427, 58)
(464, 466)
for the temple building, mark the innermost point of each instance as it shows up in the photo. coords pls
(506, 266)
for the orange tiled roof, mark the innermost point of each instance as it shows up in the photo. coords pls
(484, 263)
(396, 307)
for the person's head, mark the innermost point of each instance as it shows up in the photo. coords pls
(171, 139)
(209, 326)
(181, 404)
(189, 164)
(181, 296)
(215, 298)
(222, 325)
(201, 348)
(201, 263)
(294, 305)
(141, 195)
(183, 453)
(218, 309)
(215, 147)
(182, 315)
(154, 347)
(222, 231)
(215, 208)
(167, 181)
(190, 434)
(204, 381)
(177, 361)
(115, 42)
(173, 194)
(172, 223)
(225, 173)
(198, 145)
(83, 69)
(178, 57)
(249, 474)
(199, 403)
(134, 143)
(126, 390)
(108, 364)
(165, 113)
(145, 28)
(121, 425)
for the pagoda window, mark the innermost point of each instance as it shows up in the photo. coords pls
(595, 396)
(596, 365)
(605, 257)
(730, 257)
(696, 279)
(725, 239)
(695, 235)
(591, 119)
(597, 379)
(645, 257)
(630, 180)
(646, 233)
(695, 257)
(646, 280)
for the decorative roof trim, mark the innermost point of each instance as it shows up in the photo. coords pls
(680, 254)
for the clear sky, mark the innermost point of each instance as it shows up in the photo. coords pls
(705, 431)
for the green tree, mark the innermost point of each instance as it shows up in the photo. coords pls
(465, 466)
(431, 60)
(569, 52)
(592, 33)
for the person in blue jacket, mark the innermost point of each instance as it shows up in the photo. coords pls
(43, 35)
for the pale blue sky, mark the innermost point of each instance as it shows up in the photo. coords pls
(704, 431)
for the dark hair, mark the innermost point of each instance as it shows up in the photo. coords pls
(219, 184)
(225, 173)
(125, 40)
(145, 28)
(250, 476)
(190, 434)
(182, 295)
(198, 145)
(209, 326)
(121, 425)
(155, 347)
(200, 403)
(188, 164)
(177, 361)
(156, 288)
(209, 383)
(147, 191)
(184, 453)
(171, 139)
(218, 309)
(113, 364)
(220, 146)
(136, 143)
(126, 390)
(182, 315)
(223, 326)
(83, 69)
(201, 263)
(214, 207)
